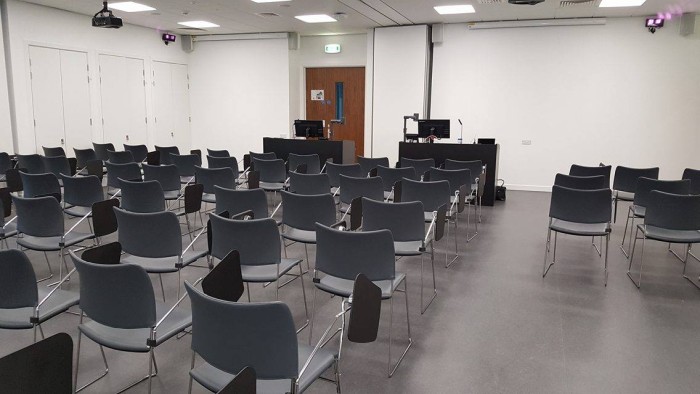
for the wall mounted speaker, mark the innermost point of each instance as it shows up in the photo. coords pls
(438, 30)
(187, 43)
(293, 41)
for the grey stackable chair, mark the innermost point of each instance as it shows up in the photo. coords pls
(352, 188)
(32, 164)
(186, 165)
(671, 218)
(23, 304)
(273, 174)
(57, 165)
(367, 164)
(262, 156)
(5, 164)
(625, 183)
(124, 314)
(312, 162)
(218, 153)
(153, 241)
(138, 152)
(301, 213)
(477, 171)
(79, 193)
(236, 201)
(406, 222)
(122, 157)
(342, 255)
(460, 181)
(596, 182)
(167, 176)
(334, 172)
(641, 199)
(212, 177)
(309, 184)
(584, 213)
(224, 162)
(165, 152)
(40, 223)
(267, 342)
(142, 197)
(115, 172)
(53, 151)
(102, 149)
(83, 156)
(7, 229)
(694, 177)
(578, 170)
(390, 176)
(39, 185)
(420, 165)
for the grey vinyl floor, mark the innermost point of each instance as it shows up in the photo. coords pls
(496, 326)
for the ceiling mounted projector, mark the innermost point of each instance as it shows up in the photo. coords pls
(525, 2)
(104, 18)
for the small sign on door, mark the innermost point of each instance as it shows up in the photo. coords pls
(317, 95)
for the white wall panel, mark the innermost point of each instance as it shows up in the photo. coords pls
(47, 97)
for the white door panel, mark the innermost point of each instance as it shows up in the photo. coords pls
(76, 100)
(123, 100)
(181, 106)
(47, 98)
(136, 110)
(162, 104)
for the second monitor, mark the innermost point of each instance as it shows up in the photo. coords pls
(440, 128)
(308, 128)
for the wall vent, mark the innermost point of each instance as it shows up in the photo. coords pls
(491, 1)
(572, 3)
(266, 14)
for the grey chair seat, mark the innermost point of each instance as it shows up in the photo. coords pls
(163, 265)
(115, 192)
(267, 272)
(408, 248)
(209, 197)
(586, 229)
(171, 194)
(388, 194)
(10, 230)
(59, 302)
(297, 235)
(48, 244)
(624, 196)
(639, 212)
(271, 186)
(343, 287)
(215, 379)
(673, 236)
(134, 340)
(77, 211)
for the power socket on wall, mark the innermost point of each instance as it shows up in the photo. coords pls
(527, 142)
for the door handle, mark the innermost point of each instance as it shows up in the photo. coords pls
(62, 143)
(172, 134)
(127, 137)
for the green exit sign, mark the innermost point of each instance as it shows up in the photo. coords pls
(332, 48)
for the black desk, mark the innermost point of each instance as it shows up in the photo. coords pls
(340, 151)
(488, 154)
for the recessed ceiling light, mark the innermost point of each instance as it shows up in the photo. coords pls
(321, 18)
(198, 24)
(621, 3)
(270, 1)
(130, 6)
(454, 9)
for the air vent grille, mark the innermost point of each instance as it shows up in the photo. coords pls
(572, 3)
(266, 14)
(491, 1)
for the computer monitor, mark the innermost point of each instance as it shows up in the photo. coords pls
(486, 141)
(440, 128)
(308, 128)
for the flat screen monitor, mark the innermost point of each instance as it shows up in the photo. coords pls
(308, 128)
(486, 141)
(440, 128)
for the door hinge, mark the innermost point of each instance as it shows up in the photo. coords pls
(146, 119)
(103, 121)
(34, 122)
(90, 121)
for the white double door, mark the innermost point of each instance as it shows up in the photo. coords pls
(60, 98)
(171, 105)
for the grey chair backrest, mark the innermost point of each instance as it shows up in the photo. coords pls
(420, 165)
(595, 182)
(580, 206)
(390, 176)
(56, 165)
(223, 162)
(625, 179)
(149, 234)
(272, 171)
(578, 170)
(334, 172)
(345, 254)
(82, 191)
(694, 177)
(246, 236)
(405, 220)
(83, 156)
(432, 194)
(475, 167)
(646, 185)
(33, 164)
(101, 150)
(313, 162)
(367, 164)
(166, 175)
(53, 151)
(263, 156)
(5, 163)
(37, 185)
(267, 341)
(456, 178)
(142, 197)
(116, 295)
(185, 163)
(39, 217)
(128, 171)
(17, 281)
(138, 152)
(122, 157)
(5, 203)
(165, 152)
(309, 183)
(353, 187)
(303, 212)
(218, 153)
(673, 211)
(212, 177)
(236, 201)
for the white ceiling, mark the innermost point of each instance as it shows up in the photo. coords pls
(240, 16)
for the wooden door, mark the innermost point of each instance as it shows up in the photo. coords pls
(350, 104)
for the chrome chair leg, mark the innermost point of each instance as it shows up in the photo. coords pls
(303, 291)
(408, 326)
(189, 390)
(162, 289)
(685, 266)
(624, 233)
(607, 248)
(424, 307)
(546, 268)
(631, 258)
(447, 265)
(313, 315)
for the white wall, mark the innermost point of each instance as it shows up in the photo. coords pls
(33, 24)
(239, 93)
(614, 94)
(5, 126)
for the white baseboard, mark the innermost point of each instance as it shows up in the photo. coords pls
(530, 188)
